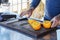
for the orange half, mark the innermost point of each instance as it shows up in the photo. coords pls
(47, 24)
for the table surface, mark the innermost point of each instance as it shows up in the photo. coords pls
(50, 36)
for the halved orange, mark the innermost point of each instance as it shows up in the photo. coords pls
(31, 21)
(47, 24)
(36, 25)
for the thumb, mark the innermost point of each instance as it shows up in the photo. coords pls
(22, 14)
(29, 15)
(54, 24)
(52, 20)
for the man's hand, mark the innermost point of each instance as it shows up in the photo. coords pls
(28, 12)
(55, 21)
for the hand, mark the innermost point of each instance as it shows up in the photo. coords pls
(55, 21)
(29, 12)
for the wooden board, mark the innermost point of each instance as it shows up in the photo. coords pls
(23, 26)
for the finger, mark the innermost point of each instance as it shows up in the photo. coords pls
(52, 19)
(30, 14)
(22, 14)
(54, 24)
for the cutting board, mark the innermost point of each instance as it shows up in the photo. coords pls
(22, 26)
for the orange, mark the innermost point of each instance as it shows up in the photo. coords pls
(47, 24)
(36, 25)
(31, 21)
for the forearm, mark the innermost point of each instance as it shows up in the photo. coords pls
(34, 4)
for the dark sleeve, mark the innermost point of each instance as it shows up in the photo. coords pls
(35, 3)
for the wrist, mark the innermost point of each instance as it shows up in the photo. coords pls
(31, 8)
